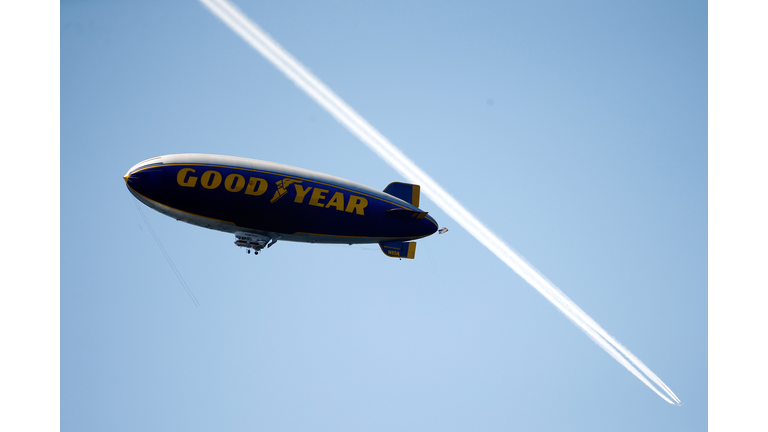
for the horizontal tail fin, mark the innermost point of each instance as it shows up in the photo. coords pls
(407, 192)
(406, 213)
(399, 249)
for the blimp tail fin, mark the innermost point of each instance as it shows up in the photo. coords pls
(398, 249)
(406, 213)
(405, 191)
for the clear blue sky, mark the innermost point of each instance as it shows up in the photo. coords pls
(576, 132)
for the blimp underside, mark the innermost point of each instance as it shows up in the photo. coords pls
(278, 202)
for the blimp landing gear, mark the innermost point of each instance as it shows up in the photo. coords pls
(253, 241)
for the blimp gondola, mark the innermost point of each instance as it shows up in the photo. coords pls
(262, 202)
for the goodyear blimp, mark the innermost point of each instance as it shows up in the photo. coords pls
(263, 202)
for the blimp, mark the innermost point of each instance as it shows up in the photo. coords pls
(264, 202)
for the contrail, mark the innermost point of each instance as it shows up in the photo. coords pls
(282, 60)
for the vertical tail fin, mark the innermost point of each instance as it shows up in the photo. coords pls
(407, 192)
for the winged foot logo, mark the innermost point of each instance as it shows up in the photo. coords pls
(281, 188)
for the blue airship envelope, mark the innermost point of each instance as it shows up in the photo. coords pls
(263, 202)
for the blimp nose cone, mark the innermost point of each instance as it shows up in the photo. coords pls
(144, 180)
(130, 179)
(127, 179)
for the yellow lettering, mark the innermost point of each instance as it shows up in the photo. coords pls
(252, 188)
(301, 193)
(234, 183)
(317, 195)
(337, 201)
(356, 204)
(182, 179)
(210, 179)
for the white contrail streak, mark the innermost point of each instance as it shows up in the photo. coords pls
(281, 59)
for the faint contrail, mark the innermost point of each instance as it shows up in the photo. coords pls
(281, 59)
